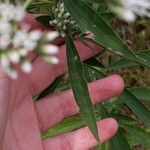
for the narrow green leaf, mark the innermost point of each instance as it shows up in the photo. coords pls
(122, 63)
(104, 146)
(36, 5)
(142, 93)
(119, 142)
(89, 20)
(94, 62)
(65, 126)
(137, 135)
(44, 20)
(122, 119)
(51, 88)
(93, 1)
(107, 16)
(79, 86)
(136, 106)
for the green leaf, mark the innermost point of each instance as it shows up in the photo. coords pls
(94, 62)
(142, 93)
(89, 20)
(44, 20)
(119, 142)
(137, 135)
(136, 106)
(36, 5)
(122, 119)
(122, 63)
(51, 88)
(104, 146)
(93, 1)
(107, 16)
(65, 126)
(79, 86)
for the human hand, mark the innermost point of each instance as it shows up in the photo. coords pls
(22, 120)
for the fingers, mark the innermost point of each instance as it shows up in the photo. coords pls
(54, 108)
(82, 139)
(44, 73)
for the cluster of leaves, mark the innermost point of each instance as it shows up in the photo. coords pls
(95, 18)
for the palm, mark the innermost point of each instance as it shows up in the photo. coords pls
(22, 120)
(21, 130)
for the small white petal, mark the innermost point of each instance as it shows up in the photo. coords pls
(55, 21)
(50, 49)
(137, 7)
(66, 15)
(64, 27)
(60, 15)
(5, 63)
(26, 67)
(12, 73)
(19, 13)
(23, 52)
(52, 35)
(35, 35)
(52, 60)
(20, 37)
(29, 45)
(14, 56)
(128, 16)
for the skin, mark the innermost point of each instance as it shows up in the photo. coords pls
(22, 120)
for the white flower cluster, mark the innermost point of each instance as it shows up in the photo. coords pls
(16, 43)
(129, 9)
(62, 20)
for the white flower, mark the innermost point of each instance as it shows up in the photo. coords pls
(10, 12)
(50, 49)
(5, 63)
(20, 37)
(5, 27)
(4, 41)
(12, 73)
(26, 66)
(128, 15)
(14, 56)
(22, 52)
(35, 35)
(19, 13)
(29, 45)
(129, 9)
(54, 60)
(16, 43)
(52, 35)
